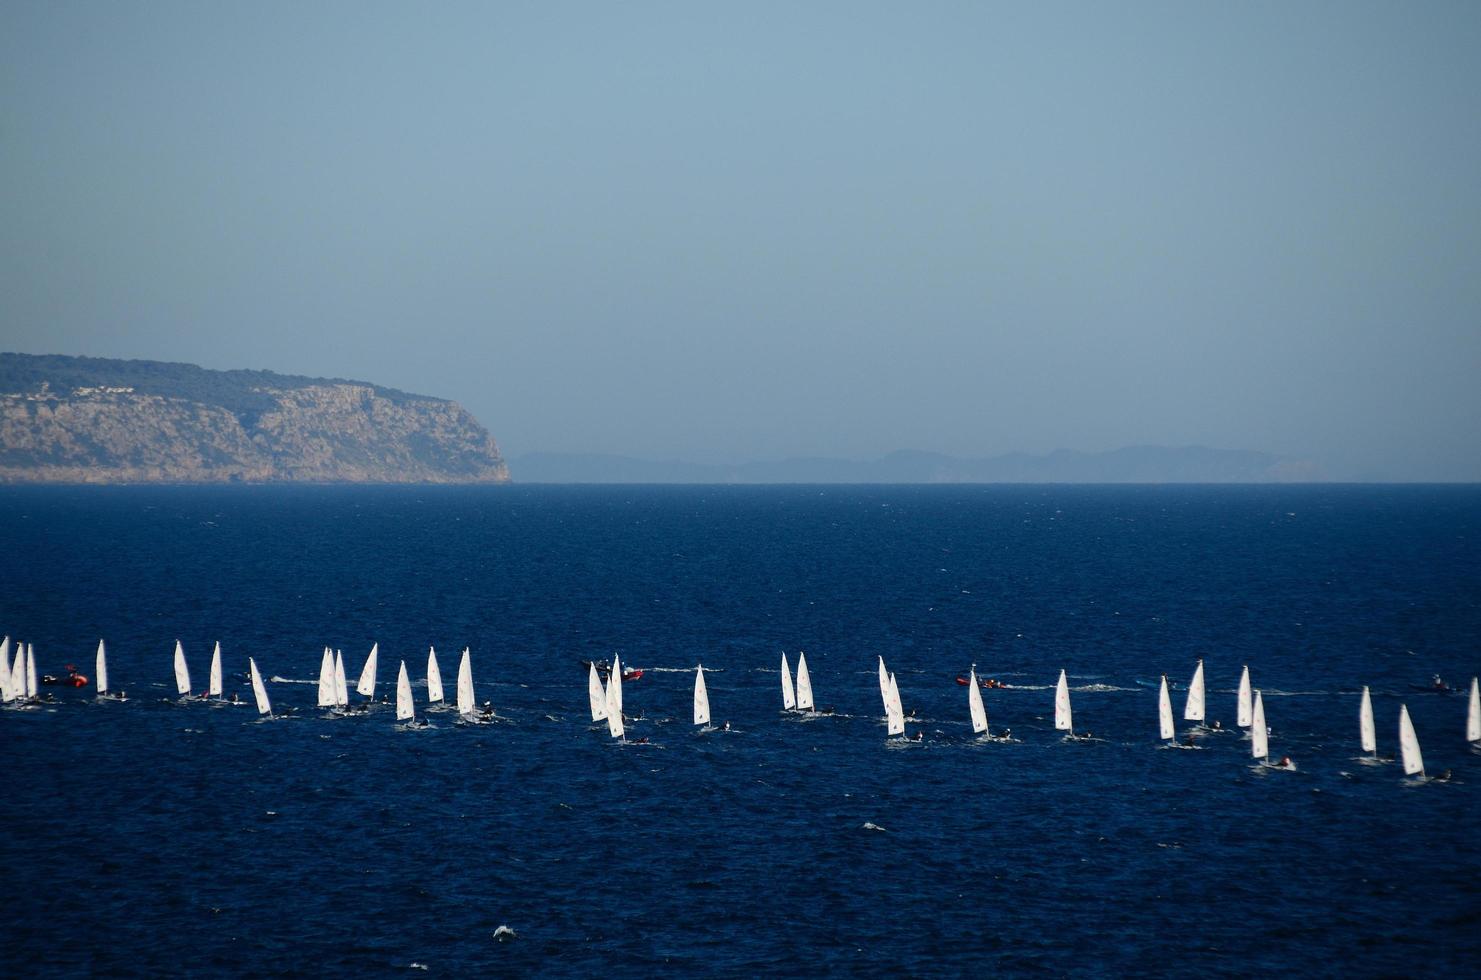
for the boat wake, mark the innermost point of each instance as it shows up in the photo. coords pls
(275, 679)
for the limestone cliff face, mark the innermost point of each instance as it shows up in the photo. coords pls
(307, 430)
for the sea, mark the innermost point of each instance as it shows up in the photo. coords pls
(158, 837)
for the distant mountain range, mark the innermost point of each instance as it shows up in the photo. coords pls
(98, 420)
(1134, 464)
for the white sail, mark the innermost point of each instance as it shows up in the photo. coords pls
(884, 685)
(616, 686)
(1165, 727)
(974, 704)
(596, 695)
(215, 683)
(1409, 745)
(465, 684)
(789, 700)
(701, 697)
(182, 672)
(804, 683)
(341, 686)
(264, 706)
(18, 671)
(1193, 709)
(1365, 723)
(32, 691)
(894, 713)
(327, 697)
(1473, 714)
(404, 708)
(434, 677)
(7, 693)
(1063, 719)
(614, 706)
(100, 673)
(1245, 716)
(1259, 734)
(367, 674)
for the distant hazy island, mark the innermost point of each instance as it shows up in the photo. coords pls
(96, 420)
(1136, 464)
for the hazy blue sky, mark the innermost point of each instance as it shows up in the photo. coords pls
(750, 230)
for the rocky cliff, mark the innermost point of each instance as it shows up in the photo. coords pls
(91, 420)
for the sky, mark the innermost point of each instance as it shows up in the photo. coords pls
(725, 232)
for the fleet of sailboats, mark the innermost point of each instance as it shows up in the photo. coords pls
(18, 683)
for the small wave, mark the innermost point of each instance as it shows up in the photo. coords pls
(873, 826)
(504, 934)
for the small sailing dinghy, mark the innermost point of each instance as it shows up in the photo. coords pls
(1366, 734)
(7, 692)
(434, 677)
(327, 696)
(1193, 709)
(259, 691)
(182, 672)
(213, 686)
(894, 712)
(1064, 719)
(341, 687)
(1473, 715)
(595, 694)
(1245, 716)
(701, 698)
(1409, 745)
(405, 707)
(368, 672)
(804, 684)
(1165, 728)
(1259, 734)
(467, 708)
(974, 704)
(614, 701)
(789, 700)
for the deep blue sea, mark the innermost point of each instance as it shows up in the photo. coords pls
(152, 837)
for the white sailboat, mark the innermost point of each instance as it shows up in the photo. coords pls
(367, 674)
(434, 677)
(1063, 718)
(465, 686)
(1193, 709)
(1473, 715)
(7, 693)
(1245, 716)
(1165, 727)
(214, 687)
(100, 670)
(32, 690)
(182, 672)
(1409, 745)
(617, 689)
(404, 707)
(595, 694)
(614, 701)
(327, 696)
(341, 687)
(701, 697)
(1366, 733)
(1259, 734)
(789, 700)
(974, 704)
(884, 686)
(894, 712)
(259, 691)
(804, 684)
